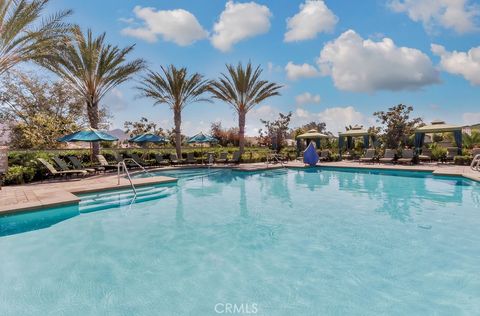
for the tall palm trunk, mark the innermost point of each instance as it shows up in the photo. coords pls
(94, 119)
(241, 130)
(177, 118)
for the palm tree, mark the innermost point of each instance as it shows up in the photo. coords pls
(92, 68)
(469, 141)
(23, 37)
(177, 89)
(243, 89)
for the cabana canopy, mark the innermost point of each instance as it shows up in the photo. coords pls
(438, 127)
(356, 131)
(312, 134)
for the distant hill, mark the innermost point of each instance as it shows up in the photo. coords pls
(120, 134)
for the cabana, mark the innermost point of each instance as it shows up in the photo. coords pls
(438, 127)
(311, 135)
(356, 131)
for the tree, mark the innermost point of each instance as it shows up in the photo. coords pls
(39, 111)
(225, 136)
(92, 68)
(176, 88)
(142, 126)
(275, 132)
(243, 90)
(397, 125)
(23, 36)
(472, 140)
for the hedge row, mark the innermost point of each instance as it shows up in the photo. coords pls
(24, 166)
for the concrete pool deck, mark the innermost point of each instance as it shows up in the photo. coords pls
(49, 194)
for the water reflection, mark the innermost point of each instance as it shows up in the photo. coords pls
(312, 178)
(25, 222)
(398, 197)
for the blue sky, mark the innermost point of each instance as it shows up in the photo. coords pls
(358, 56)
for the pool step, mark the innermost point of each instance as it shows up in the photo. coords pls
(108, 196)
(108, 201)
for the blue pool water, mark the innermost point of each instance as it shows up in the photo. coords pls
(283, 242)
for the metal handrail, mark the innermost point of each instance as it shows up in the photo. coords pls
(122, 164)
(135, 162)
(275, 158)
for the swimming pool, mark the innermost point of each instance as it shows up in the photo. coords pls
(280, 242)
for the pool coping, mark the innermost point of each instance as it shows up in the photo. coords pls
(44, 197)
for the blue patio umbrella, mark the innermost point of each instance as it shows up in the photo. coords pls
(201, 138)
(89, 135)
(148, 138)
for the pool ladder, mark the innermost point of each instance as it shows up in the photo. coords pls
(123, 166)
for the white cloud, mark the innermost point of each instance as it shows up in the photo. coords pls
(466, 64)
(295, 72)
(178, 26)
(459, 15)
(335, 118)
(470, 118)
(314, 17)
(115, 100)
(307, 98)
(240, 21)
(362, 65)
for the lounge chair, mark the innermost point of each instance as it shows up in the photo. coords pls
(369, 156)
(223, 158)
(191, 158)
(138, 160)
(324, 155)
(119, 158)
(175, 160)
(210, 159)
(389, 156)
(54, 172)
(407, 156)
(161, 161)
(347, 155)
(78, 165)
(475, 165)
(104, 163)
(64, 167)
(451, 153)
(236, 157)
(426, 155)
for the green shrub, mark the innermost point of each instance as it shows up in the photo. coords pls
(462, 160)
(438, 152)
(19, 175)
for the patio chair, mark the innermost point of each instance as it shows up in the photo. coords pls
(104, 163)
(407, 156)
(475, 165)
(451, 153)
(139, 160)
(54, 172)
(210, 159)
(389, 156)
(119, 158)
(324, 155)
(64, 167)
(223, 157)
(191, 158)
(161, 161)
(236, 157)
(78, 165)
(347, 155)
(175, 160)
(369, 156)
(426, 155)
